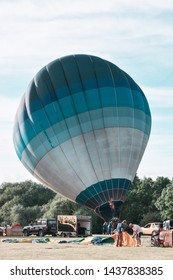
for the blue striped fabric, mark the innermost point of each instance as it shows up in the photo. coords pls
(98, 195)
(72, 87)
(91, 195)
(75, 96)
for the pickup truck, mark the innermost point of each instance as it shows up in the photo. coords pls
(149, 228)
(41, 227)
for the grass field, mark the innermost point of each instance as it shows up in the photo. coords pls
(54, 250)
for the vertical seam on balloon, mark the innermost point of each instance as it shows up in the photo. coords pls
(75, 110)
(95, 74)
(119, 160)
(90, 122)
(33, 171)
(132, 141)
(144, 134)
(16, 130)
(48, 154)
(91, 203)
(22, 159)
(110, 165)
(66, 126)
(31, 123)
(42, 105)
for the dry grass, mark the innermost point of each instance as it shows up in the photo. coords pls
(54, 250)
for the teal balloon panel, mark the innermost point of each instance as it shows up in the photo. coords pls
(81, 128)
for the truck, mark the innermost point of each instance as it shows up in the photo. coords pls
(41, 227)
(74, 225)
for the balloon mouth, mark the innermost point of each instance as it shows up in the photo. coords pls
(109, 210)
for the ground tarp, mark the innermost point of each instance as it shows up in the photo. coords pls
(127, 241)
(98, 240)
(10, 240)
(25, 240)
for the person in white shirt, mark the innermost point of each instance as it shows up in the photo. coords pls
(137, 232)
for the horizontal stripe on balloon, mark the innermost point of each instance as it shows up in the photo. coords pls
(87, 159)
(81, 102)
(58, 133)
(113, 188)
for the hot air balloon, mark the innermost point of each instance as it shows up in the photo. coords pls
(81, 128)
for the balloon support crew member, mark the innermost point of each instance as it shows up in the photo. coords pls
(137, 232)
(120, 228)
(105, 228)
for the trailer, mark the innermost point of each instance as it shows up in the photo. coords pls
(74, 225)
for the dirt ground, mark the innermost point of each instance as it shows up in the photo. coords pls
(54, 250)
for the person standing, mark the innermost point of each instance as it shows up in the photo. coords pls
(137, 232)
(115, 222)
(110, 227)
(105, 228)
(120, 228)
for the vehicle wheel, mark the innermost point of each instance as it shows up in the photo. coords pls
(63, 234)
(25, 233)
(155, 232)
(41, 233)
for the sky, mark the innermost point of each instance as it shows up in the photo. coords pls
(135, 35)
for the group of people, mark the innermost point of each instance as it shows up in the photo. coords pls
(120, 228)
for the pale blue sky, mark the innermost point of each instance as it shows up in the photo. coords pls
(135, 35)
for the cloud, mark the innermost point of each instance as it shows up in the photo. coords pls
(34, 28)
(157, 160)
(159, 97)
(135, 35)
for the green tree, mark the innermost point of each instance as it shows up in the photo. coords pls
(7, 192)
(158, 185)
(147, 200)
(60, 206)
(25, 215)
(140, 203)
(23, 195)
(131, 209)
(164, 203)
(35, 194)
(150, 217)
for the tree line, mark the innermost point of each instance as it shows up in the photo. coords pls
(147, 200)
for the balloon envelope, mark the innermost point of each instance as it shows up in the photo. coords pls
(81, 128)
